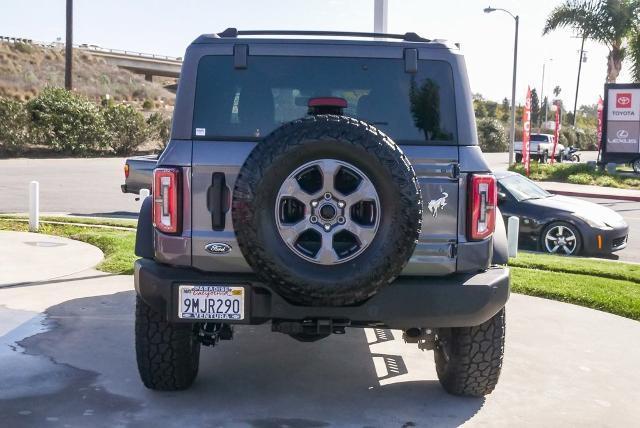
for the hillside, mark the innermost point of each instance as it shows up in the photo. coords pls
(25, 69)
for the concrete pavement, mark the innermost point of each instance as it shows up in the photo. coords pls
(31, 257)
(67, 358)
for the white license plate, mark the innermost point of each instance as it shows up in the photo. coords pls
(219, 302)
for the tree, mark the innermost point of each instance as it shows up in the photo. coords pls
(492, 109)
(506, 107)
(535, 106)
(492, 136)
(614, 23)
(479, 107)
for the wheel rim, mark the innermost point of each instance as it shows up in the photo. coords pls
(560, 240)
(636, 166)
(327, 211)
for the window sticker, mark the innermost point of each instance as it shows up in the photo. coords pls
(201, 131)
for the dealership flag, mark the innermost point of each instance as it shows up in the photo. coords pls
(526, 131)
(600, 112)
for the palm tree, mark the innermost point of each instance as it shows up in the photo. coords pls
(611, 22)
(557, 90)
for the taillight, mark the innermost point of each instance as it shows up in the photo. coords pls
(166, 210)
(126, 170)
(482, 206)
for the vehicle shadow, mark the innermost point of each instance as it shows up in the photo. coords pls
(260, 379)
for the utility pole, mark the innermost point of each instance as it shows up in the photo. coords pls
(380, 13)
(575, 102)
(68, 56)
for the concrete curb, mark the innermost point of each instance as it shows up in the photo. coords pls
(595, 195)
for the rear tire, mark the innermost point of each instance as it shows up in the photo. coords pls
(469, 359)
(636, 166)
(545, 157)
(518, 158)
(168, 354)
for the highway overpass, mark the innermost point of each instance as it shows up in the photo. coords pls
(147, 64)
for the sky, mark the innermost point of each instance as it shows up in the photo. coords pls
(167, 27)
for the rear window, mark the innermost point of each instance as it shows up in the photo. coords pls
(538, 137)
(250, 103)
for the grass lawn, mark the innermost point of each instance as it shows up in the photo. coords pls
(593, 267)
(576, 173)
(117, 245)
(599, 284)
(610, 295)
(77, 219)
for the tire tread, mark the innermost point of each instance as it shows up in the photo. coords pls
(167, 356)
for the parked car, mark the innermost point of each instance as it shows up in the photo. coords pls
(291, 193)
(138, 173)
(540, 148)
(559, 224)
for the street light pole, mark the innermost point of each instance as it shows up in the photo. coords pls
(512, 133)
(575, 102)
(68, 56)
(513, 96)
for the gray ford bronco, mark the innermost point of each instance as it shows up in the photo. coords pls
(318, 181)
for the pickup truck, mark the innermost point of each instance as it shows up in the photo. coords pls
(540, 148)
(138, 173)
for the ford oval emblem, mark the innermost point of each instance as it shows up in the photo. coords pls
(217, 248)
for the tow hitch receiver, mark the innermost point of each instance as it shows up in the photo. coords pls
(210, 333)
(424, 337)
(320, 327)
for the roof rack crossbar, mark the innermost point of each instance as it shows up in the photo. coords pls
(234, 32)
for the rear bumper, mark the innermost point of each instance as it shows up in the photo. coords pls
(450, 301)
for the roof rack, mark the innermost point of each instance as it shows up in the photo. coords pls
(234, 32)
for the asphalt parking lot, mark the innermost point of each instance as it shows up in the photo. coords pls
(92, 187)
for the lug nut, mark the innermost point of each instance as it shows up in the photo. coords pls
(327, 196)
(313, 219)
(341, 220)
(327, 227)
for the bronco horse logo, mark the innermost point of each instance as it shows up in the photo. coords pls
(437, 204)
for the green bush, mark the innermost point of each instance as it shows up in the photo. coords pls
(126, 128)
(66, 122)
(567, 137)
(586, 139)
(159, 128)
(491, 135)
(576, 173)
(26, 48)
(581, 178)
(147, 104)
(14, 122)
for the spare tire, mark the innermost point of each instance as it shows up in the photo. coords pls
(327, 210)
